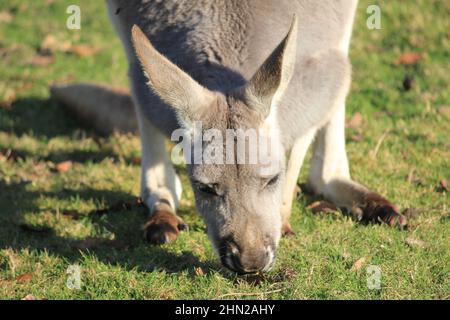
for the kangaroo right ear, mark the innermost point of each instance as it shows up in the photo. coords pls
(269, 83)
(170, 83)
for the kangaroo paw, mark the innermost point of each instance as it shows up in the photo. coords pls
(378, 209)
(163, 227)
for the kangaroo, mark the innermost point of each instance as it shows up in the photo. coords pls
(280, 66)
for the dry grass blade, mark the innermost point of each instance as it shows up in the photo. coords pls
(379, 143)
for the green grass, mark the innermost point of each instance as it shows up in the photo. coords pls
(115, 262)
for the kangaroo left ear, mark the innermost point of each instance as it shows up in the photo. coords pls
(175, 87)
(269, 83)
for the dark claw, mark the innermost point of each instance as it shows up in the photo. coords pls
(155, 237)
(163, 227)
(381, 210)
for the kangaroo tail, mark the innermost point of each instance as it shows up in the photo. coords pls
(104, 108)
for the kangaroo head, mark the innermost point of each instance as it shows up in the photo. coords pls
(239, 199)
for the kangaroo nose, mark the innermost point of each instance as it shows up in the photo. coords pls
(247, 261)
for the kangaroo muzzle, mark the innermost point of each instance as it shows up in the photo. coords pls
(248, 259)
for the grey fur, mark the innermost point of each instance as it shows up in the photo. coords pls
(219, 46)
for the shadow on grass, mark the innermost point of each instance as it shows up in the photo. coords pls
(124, 219)
(44, 119)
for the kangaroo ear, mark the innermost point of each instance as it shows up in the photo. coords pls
(170, 83)
(271, 80)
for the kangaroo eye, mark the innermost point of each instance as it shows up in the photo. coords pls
(273, 181)
(207, 189)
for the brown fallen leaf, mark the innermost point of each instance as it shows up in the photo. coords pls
(321, 206)
(409, 58)
(24, 277)
(64, 166)
(443, 186)
(355, 121)
(199, 272)
(29, 297)
(71, 214)
(5, 17)
(43, 59)
(358, 264)
(51, 44)
(414, 242)
(83, 50)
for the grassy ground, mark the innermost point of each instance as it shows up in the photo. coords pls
(50, 218)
